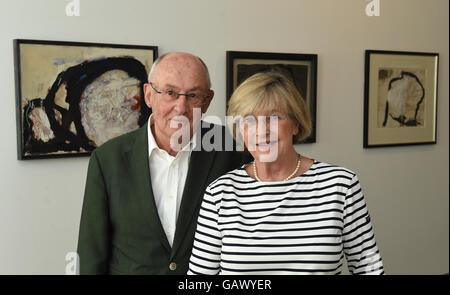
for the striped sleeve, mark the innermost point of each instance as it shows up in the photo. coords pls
(205, 257)
(360, 248)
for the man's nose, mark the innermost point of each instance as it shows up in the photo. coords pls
(181, 104)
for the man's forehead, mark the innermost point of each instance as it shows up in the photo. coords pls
(180, 81)
(174, 86)
(179, 76)
(181, 61)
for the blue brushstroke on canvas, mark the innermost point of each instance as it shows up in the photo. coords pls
(59, 61)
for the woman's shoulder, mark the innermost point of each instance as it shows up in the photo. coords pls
(324, 168)
(236, 177)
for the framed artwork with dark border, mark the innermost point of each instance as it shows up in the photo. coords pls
(400, 98)
(71, 97)
(300, 68)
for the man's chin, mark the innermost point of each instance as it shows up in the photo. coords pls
(180, 132)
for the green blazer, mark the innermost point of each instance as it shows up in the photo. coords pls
(120, 230)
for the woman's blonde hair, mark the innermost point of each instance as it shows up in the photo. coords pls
(270, 91)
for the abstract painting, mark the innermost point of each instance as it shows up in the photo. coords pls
(400, 98)
(71, 97)
(301, 69)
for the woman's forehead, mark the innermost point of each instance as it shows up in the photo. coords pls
(269, 106)
(267, 111)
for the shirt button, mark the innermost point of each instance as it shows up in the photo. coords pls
(171, 197)
(172, 266)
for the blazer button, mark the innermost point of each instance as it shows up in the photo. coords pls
(172, 266)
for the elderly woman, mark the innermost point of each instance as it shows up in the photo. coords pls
(283, 213)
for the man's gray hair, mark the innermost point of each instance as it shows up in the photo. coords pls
(159, 59)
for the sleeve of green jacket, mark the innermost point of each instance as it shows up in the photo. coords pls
(94, 235)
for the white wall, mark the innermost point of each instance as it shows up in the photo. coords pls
(407, 188)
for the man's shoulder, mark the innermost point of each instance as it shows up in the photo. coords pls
(120, 143)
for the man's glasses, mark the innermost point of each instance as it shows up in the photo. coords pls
(195, 98)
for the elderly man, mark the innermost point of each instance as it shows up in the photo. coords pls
(144, 188)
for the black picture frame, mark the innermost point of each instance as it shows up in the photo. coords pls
(301, 68)
(400, 98)
(61, 83)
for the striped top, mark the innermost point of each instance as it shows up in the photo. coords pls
(305, 225)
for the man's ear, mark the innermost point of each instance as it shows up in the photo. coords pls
(147, 94)
(208, 101)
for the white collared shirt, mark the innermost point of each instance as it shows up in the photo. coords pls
(168, 176)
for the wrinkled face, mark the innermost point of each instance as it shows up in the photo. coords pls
(177, 73)
(268, 134)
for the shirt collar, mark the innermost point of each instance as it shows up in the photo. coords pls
(152, 145)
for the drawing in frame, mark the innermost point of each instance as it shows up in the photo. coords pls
(400, 98)
(300, 68)
(71, 97)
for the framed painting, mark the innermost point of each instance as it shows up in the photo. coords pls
(400, 99)
(300, 68)
(71, 97)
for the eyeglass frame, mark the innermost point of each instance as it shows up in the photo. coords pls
(187, 95)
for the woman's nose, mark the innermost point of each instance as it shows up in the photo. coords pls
(266, 125)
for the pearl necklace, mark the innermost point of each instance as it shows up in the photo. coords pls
(287, 178)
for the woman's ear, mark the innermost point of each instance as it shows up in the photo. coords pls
(296, 129)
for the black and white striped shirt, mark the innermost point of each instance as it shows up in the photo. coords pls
(305, 225)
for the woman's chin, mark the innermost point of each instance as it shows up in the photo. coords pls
(265, 153)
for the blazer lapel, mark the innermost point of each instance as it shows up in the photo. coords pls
(138, 157)
(198, 171)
